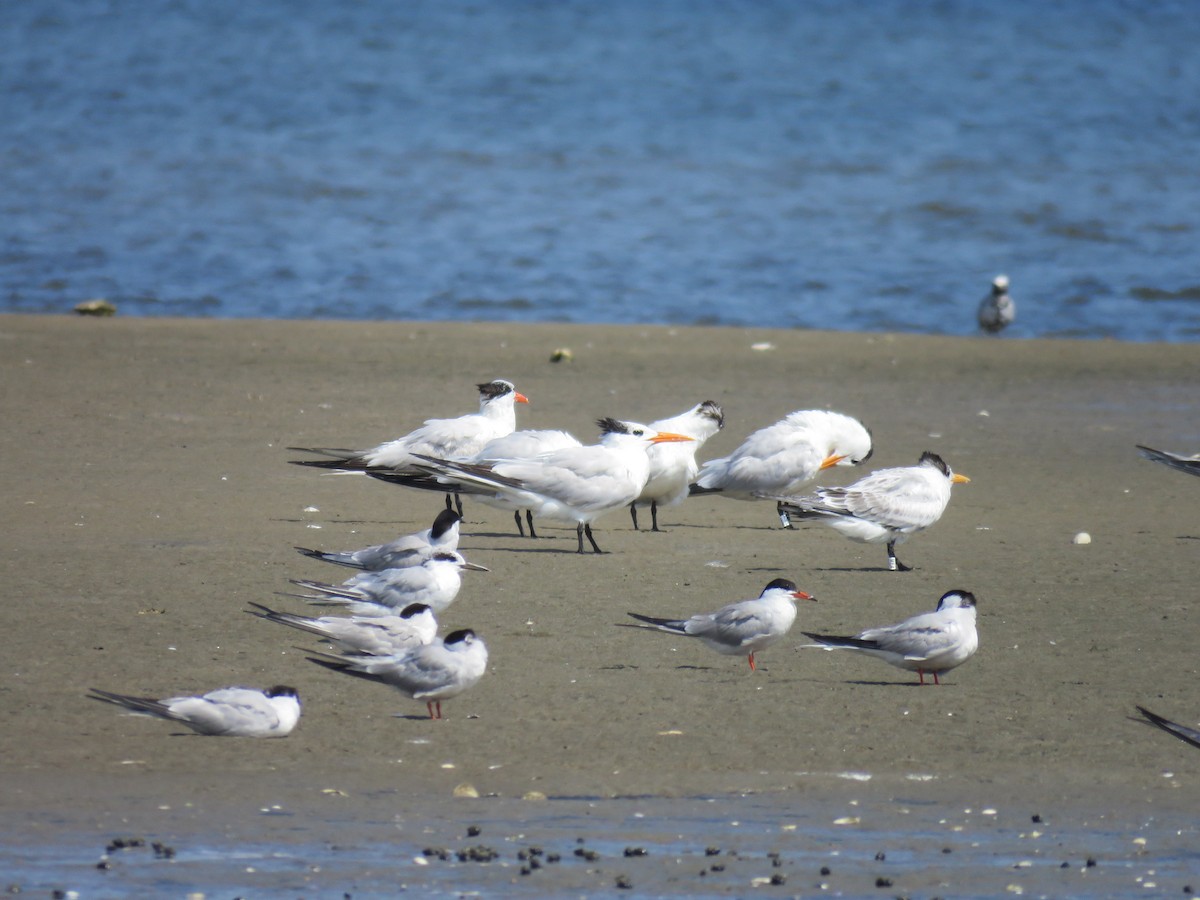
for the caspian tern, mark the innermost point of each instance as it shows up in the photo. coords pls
(525, 444)
(743, 628)
(459, 438)
(933, 642)
(997, 310)
(1189, 464)
(408, 550)
(1190, 735)
(377, 635)
(227, 712)
(673, 466)
(780, 459)
(575, 484)
(432, 672)
(887, 506)
(435, 582)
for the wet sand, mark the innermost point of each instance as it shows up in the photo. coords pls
(150, 501)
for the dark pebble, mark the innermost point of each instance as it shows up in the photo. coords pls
(717, 867)
(624, 883)
(1036, 819)
(104, 865)
(712, 851)
(552, 857)
(824, 870)
(778, 879)
(473, 830)
(635, 851)
(1091, 862)
(880, 856)
(883, 882)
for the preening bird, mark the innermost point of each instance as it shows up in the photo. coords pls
(432, 672)
(575, 484)
(459, 438)
(743, 628)
(886, 507)
(782, 458)
(407, 550)
(377, 635)
(997, 310)
(933, 642)
(226, 712)
(673, 466)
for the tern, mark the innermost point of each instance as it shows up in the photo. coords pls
(435, 582)
(743, 628)
(997, 310)
(1190, 735)
(673, 466)
(459, 438)
(933, 642)
(227, 712)
(432, 672)
(407, 550)
(377, 635)
(575, 484)
(1189, 464)
(886, 507)
(525, 444)
(781, 458)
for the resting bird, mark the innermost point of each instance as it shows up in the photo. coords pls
(1189, 464)
(377, 635)
(407, 550)
(575, 484)
(887, 506)
(459, 438)
(435, 582)
(997, 310)
(1190, 735)
(780, 459)
(227, 712)
(432, 672)
(743, 628)
(933, 643)
(673, 466)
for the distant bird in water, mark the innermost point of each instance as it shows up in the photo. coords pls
(997, 310)
(1189, 464)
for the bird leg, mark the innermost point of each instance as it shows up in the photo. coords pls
(587, 529)
(633, 514)
(458, 503)
(753, 668)
(894, 564)
(654, 515)
(517, 519)
(529, 519)
(431, 705)
(784, 519)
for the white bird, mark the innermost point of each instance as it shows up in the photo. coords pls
(407, 550)
(933, 642)
(743, 628)
(459, 438)
(1189, 464)
(435, 582)
(575, 484)
(997, 310)
(782, 458)
(432, 672)
(887, 506)
(673, 466)
(1190, 735)
(227, 712)
(377, 635)
(525, 444)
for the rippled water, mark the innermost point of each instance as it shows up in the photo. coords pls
(863, 166)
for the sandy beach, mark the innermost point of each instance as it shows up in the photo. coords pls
(150, 500)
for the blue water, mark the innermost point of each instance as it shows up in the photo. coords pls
(854, 166)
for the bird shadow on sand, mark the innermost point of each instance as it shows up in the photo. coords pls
(898, 684)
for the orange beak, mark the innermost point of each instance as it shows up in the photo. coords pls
(800, 595)
(664, 436)
(832, 460)
(521, 398)
(960, 479)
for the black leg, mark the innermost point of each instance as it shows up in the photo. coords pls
(529, 519)
(587, 529)
(517, 519)
(449, 502)
(893, 563)
(458, 503)
(654, 515)
(633, 514)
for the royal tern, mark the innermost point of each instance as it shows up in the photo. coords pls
(432, 672)
(673, 466)
(525, 444)
(459, 438)
(743, 628)
(376, 635)
(887, 506)
(1189, 464)
(933, 642)
(782, 458)
(1191, 735)
(408, 550)
(435, 582)
(997, 310)
(227, 712)
(575, 484)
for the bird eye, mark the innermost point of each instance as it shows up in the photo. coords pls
(637, 432)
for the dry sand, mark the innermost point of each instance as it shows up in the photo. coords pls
(149, 500)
